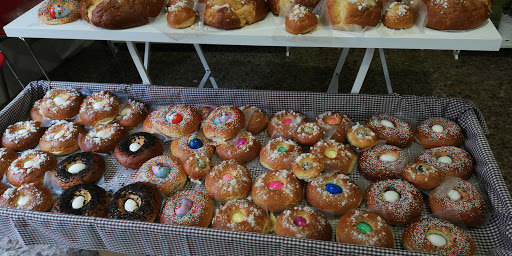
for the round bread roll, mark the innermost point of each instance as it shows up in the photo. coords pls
(334, 125)
(224, 123)
(232, 14)
(79, 168)
(276, 191)
(285, 123)
(191, 208)
(363, 227)
(242, 215)
(307, 166)
(303, 223)
(85, 200)
(60, 104)
(458, 202)
(335, 155)
(309, 133)
(132, 113)
(139, 201)
(176, 121)
(197, 166)
(228, 180)
(55, 12)
(344, 14)
(255, 120)
(392, 129)
(243, 148)
(136, 149)
(120, 14)
(61, 138)
(99, 108)
(382, 162)
(33, 197)
(438, 132)
(166, 172)
(437, 236)
(22, 135)
(452, 161)
(361, 137)
(300, 20)
(30, 167)
(186, 146)
(279, 154)
(181, 13)
(399, 16)
(423, 175)
(103, 139)
(457, 14)
(334, 194)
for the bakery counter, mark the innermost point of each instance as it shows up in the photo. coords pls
(29, 227)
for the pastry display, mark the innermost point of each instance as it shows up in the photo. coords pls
(431, 235)
(56, 12)
(276, 191)
(452, 161)
(132, 113)
(191, 208)
(190, 145)
(139, 201)
(181, 13)
(85, 200)
(103, 139)
(334, 194)
(458, 202)
(423, 175)
(335, 155)
(255, 120)
(309, 133)
(438, 131)
(176, 121)
(136, 149)
(396, 201)
(228, 180)
(300, 20)
(79, 168)
(242, 215)
(197, 166)
(232, 14)
(392, 129)
(120, 14)
(99, 108)
(399, 16)
(345, 14)
(457, 14)
(303, 223)
(382, 162)
(22, 135)
(284, 124)
(61, 138)
(33, 197)
(166, 172)
(361, 137)
(363, 227)
(30, 167)
(279, 154)
(61, 103)
(243, 148)
(334, 125)
(223, 123)
(307, 166)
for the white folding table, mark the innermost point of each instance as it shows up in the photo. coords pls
(269, 32)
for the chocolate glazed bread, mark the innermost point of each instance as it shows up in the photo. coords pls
(119, 14)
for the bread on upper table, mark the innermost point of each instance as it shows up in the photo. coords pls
(344, 14)
(233, 14)
(457, 14)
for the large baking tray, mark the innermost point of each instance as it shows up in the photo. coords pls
(495, 237)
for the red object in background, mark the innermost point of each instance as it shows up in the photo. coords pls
(12, 9)
(2, 60)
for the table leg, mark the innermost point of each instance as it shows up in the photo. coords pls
(365, 65)
(13, 72)
(385, 70)
(35, 58)
(113, 49)
(147, 51)
(207, 71)
(138, 62)
(333, 86)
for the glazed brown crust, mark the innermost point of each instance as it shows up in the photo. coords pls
(343, 13)
(191, 120)
(193, 169)
(35, 112)
(309, 133)
(256, 121)
(18, 175)
(337, 130)
(302, 24)
(459, 242)
(95, 166)
(277, 129)
(119, 15)
(98, 144)
(226, 131)
(336, 204)
(450, 136)
(39, 198)
(174, 181)
(7, 156)
(243, 153)
(103, 115)
(276, 6)
(95, 203)
(67, 110)
(139, 111)
(237, 15)
(395, 19)
(456, 14)
(258, 222)
(151, 147)
(277, 200)
(347, 230)
(147, 197)
(181, 16)
(317, 227)
(469, 210)
(12, 140)
(344, 160)
(366, 141)
(181, 150)
(307, 166)
(272, 159)
(67, 143)
(423, 175)
(401, 135)
(237, 187)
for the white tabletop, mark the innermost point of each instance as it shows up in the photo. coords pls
(269, 32)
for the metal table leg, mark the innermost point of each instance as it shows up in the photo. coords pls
(138, 62)
(13, 72)
(365, 65)
(206, 68)
(147, 51)
(35, 58)
(335, 80)
(385, 70)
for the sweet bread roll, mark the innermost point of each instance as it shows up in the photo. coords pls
(61, 103)
(399, 16)
(34, 197)
(276, 6)
(120, 14)
(344, 14)
(300, 20)
(181, 14)
(233, 14)
(55, 12)
(255, 119)
(457, 14)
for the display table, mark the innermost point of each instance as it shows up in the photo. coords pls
(28, 227)
(269, 32)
